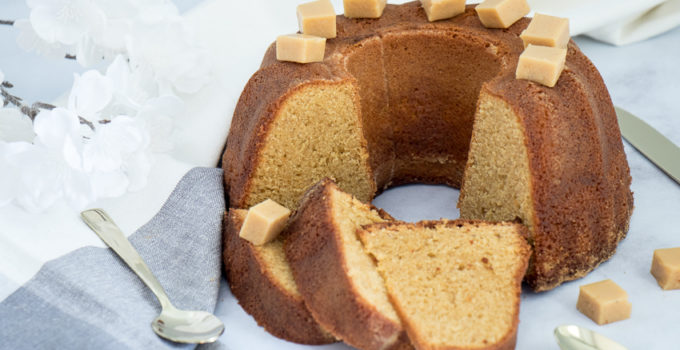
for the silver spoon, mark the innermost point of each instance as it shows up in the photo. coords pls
(571, 337)
(173, 324)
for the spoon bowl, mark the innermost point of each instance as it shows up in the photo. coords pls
(183, 326)
(571, 337)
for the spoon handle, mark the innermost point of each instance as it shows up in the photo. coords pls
(108, 231)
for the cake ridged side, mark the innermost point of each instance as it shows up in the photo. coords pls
(580, 176)
(316, 255)
(253, 283)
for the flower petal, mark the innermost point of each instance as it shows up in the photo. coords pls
(28, 40)
(52, 127)
(90, 94)
(15, 126)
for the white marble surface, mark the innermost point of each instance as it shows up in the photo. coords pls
(643, 78)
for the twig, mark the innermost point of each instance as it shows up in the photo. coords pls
(6, 22)
(33, 110)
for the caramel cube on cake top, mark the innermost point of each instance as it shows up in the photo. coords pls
(317, 18)
(364, 8)
(666, 268)
(442, 9)
(264, 222)
(547, 30)
(541, 64)
(604, 302)
(501, 13)
(300, 48)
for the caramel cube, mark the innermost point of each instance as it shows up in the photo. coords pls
(364, 8)
(317, 18)
(501, 13)
(442, 9)
(547, 30)
(264, 222)
(604, 302)
(666, 268)
(300, 48)
(541, 64)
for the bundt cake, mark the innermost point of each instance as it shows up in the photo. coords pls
(336, 277)
(394, 102)
(261, 281)
(455, 284)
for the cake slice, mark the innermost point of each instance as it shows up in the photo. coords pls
(455, 284)
(337, 278)
(261, 281)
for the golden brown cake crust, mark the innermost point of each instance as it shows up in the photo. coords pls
(280, 313)
(581, 180)
(312, 249)
(509, 340)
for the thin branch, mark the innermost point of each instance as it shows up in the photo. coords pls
(86, 122)
(43, 105)
(70, 57)
(6, 22)
(33, 110)
(9, 98)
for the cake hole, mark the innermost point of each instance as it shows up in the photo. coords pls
(416, 202)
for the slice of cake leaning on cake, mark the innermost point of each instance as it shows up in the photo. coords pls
(262, 282)
(336, 277)
(395, 100)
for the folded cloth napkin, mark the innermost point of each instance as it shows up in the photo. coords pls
(614, 21)
(89, 298)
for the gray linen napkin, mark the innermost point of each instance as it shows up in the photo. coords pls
(89, 299)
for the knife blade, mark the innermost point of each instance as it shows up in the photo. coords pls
(651, 143)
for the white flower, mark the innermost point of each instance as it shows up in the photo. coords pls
(14, 126)
(131, 88)
(49, 169)
(90, 95)
(88, 53)
(29, 41)
(117, 157)
(120, 15)
(65, 21)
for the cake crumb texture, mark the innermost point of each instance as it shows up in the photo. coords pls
(455, 284)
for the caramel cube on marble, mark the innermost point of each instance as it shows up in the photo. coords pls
(442, 9)
(604, 302)
(300, 48)
(541, 64)
(364, 8)
(501, 13)
(666, 268)
(547, 30)
(317, 18)
(264, 222)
